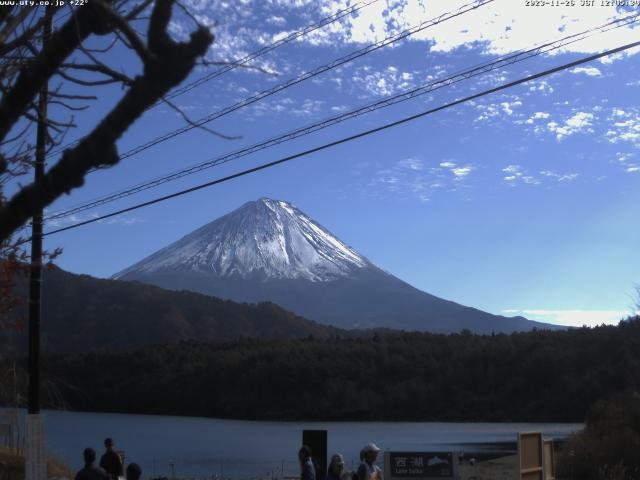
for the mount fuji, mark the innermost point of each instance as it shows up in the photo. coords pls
(268, 250)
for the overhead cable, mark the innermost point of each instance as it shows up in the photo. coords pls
(353, 137)
(368, 108)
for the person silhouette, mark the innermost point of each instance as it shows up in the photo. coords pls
(111, 461)
(90, 471)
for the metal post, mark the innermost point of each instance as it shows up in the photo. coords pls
(35, 455)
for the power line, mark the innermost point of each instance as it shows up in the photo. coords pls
(307, 75)
(383, 103)
(391, 100)
(340, 14)
(252, 56)
(354, 137)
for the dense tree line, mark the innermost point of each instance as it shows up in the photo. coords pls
(534, 376)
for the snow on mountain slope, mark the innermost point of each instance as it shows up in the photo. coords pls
(266, 238)
(268, 250)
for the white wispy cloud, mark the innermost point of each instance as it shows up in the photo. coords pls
(458, 171)
(461, 172)
(78, 218)
(560, 177)
(502, 27)
(307, 108)
(580, 122)
(540, 87)
(415, 178)
(571, 318)
(497, 110)
(624, 126)
(537, 116)
(276, 20)
(626, 160)
(407, 177)
(412, 163)
(589, 71)
(514, 174)
(507, 107)
(381, 83)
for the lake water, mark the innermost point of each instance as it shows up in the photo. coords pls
(204, 447)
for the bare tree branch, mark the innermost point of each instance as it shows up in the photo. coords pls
(121, 24)
(17, 136)
(100, 68)
(190, 15)
(68, 106)
(197, 125)
(86, 83)
(168, 64)
(133, 14)
(22, 39)
(102, 50)
(55, 93)
(5, 13)
(85, 21)
(12, 23)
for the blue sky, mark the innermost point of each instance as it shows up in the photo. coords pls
(522, 202)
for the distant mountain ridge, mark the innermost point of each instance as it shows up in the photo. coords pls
(269, 250)
(81, 313)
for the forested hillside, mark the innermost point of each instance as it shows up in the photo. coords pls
(81, 313)
(536, 376)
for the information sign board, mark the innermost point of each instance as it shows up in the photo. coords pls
(316, 440)
(420, 465)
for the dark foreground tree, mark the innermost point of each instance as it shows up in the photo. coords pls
(72, 59)
(165, 62)
(609, 446)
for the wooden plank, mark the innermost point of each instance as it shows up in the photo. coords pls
(549, 460)
(530, 456)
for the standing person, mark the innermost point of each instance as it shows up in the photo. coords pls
(368, 470)
(111, 461)
(336, 467)
(307, 468)
(90, 471)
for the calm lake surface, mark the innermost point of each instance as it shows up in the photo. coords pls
(204, 447)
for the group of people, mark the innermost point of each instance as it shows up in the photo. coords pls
(110, 467)
(367, 470)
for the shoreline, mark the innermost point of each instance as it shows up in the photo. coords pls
(305, 420)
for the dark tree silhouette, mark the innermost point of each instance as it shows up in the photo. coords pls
(165, 62)
(32, 57)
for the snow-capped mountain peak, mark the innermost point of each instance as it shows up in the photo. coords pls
(265, 239)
